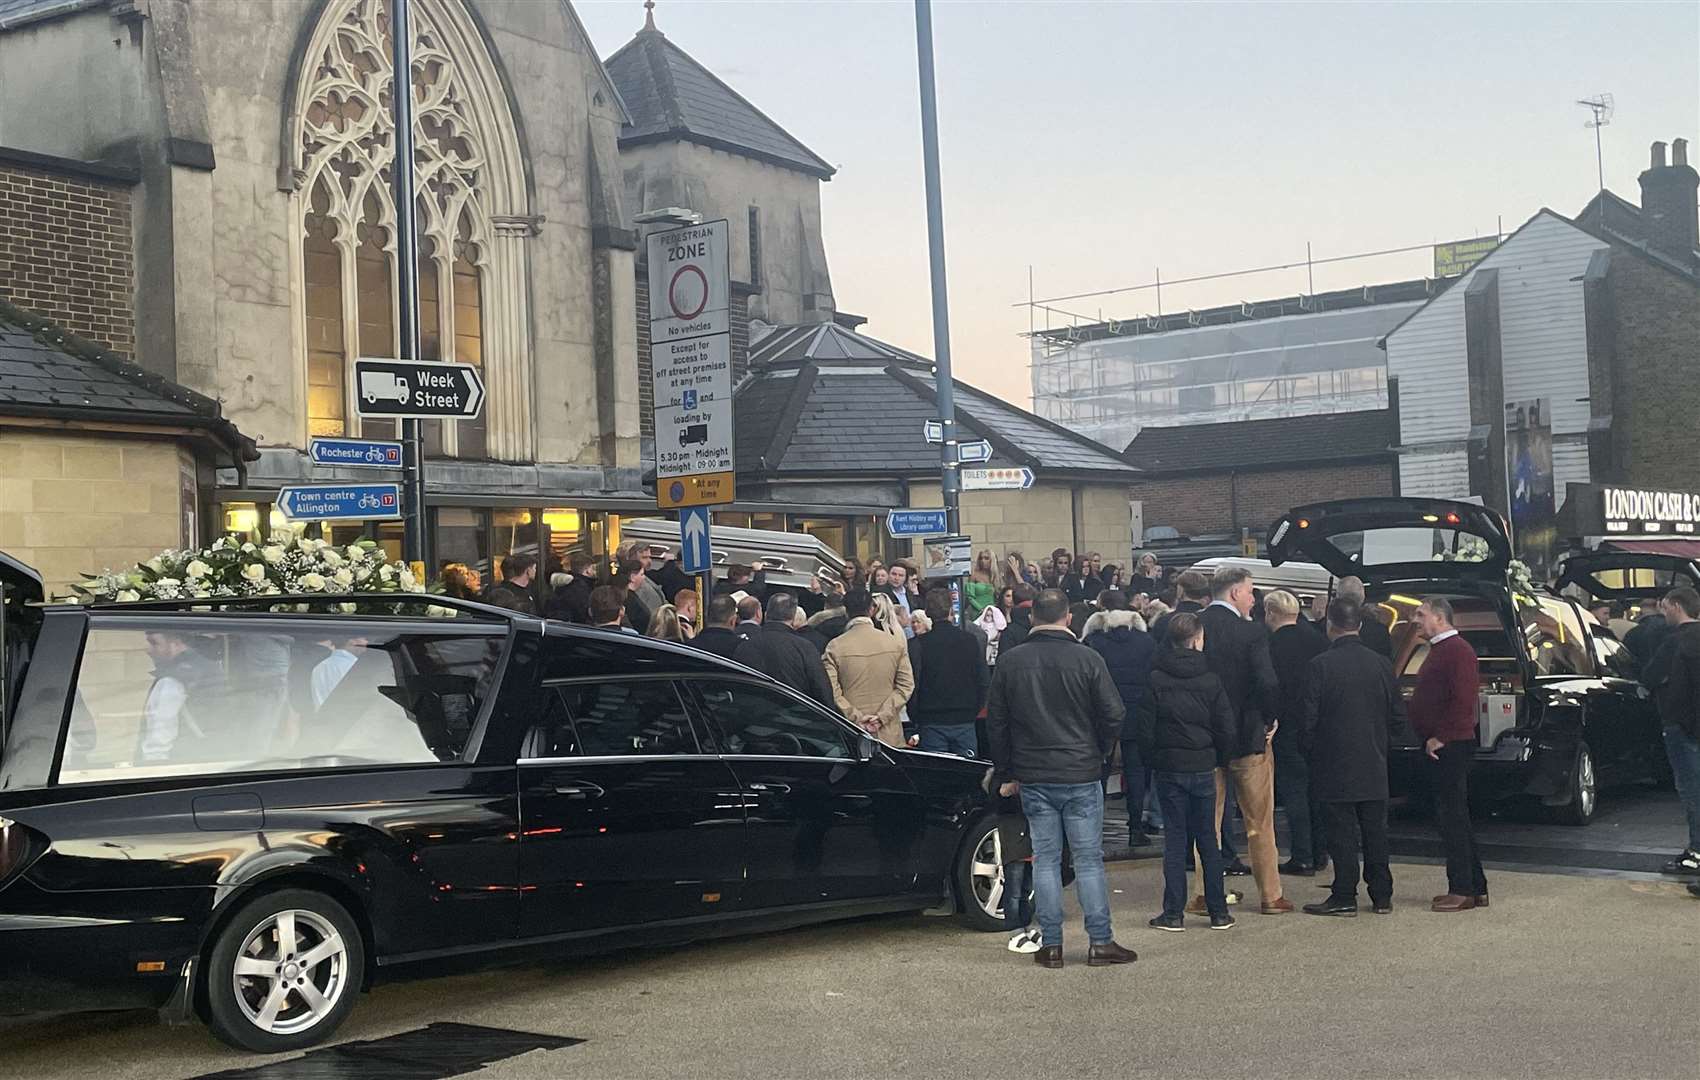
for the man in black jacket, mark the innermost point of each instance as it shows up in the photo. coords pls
(1052, 719)
(1194, 595)
(571, 602)
(951, 680)
(827, 623)
(1351, 706)
(1292, 646)
(718, 635)
(1673, 675)
(780, 652)
(1374, 633)
(1237, 650)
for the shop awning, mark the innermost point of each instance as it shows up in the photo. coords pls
(1686, 549)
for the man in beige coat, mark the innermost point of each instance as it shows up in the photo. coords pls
(869, 672)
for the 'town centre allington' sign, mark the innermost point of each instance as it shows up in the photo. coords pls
(690, 335)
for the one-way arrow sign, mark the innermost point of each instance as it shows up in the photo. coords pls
(695, 555)
(417, 390)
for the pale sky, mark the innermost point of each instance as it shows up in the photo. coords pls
(1094, 142)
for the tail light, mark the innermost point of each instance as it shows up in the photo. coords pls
(19, 845)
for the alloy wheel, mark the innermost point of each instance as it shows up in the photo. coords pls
(987, 871)
(291, 971)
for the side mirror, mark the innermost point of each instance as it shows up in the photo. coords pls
(867, 748)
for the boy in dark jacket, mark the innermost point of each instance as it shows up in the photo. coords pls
(1185, 730)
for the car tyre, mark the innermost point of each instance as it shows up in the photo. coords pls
(1584, 790)
(284, 972)
(980, 879)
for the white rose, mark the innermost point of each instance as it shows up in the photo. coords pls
(254, 572)
(272, 554)
(155, 564)
(348, 609)
(355, 552)
(248, 549)
(330, 558)
(386, 572)
(313, 582)
(198, 569)
(365, 574)
(437, 612)
(126, 595)
(343, 577)
(407, 579)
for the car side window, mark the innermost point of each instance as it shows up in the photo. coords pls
(1615, 660)
(755, 719)
(188, 696)
(621, 718)
(1556, 641)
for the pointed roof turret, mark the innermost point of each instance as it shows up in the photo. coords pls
(670, 96)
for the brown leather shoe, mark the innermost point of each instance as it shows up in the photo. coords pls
(1278, 906)
(1482, 900)
(1049, 956)
(1109, 953)
(1451, 902)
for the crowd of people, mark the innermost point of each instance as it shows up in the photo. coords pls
(1206, 697)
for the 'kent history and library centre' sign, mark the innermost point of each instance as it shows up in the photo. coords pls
(1634, 510)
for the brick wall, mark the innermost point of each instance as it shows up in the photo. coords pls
(1215, 503)
(1657, 340)
(66, 251)
(71, 505)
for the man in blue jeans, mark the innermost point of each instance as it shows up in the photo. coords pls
(1053, 717)
(1673, 675)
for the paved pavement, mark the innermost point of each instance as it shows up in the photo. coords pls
(1562, 977)
(1635, 831)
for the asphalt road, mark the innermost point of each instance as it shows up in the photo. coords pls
(1564, 976)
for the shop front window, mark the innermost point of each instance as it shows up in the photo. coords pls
(463, 537)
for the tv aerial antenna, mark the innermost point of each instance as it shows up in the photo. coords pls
(1602, 106)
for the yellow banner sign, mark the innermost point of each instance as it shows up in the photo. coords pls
(1458, 257)
(703, 489)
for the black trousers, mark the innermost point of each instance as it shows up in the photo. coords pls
(1355, 826)
(1307, 822)
(1451, 775)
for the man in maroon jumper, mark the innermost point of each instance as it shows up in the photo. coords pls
(1443, 713)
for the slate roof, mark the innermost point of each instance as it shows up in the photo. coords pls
(46, 372)
(1616, 220)
(1283, 441)
(18, 12)
(824, 400)
(668, 95)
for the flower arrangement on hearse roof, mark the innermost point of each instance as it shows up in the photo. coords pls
(287, 564)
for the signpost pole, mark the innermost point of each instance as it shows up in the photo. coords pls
(407, 276)
(948, 478)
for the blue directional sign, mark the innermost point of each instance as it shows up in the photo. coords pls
(695, 556)
(335, 502)
(362, 453)
(913, 523)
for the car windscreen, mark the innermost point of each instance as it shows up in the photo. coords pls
(186, 696)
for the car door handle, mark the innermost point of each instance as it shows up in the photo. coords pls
(781, 788)
(579, 791)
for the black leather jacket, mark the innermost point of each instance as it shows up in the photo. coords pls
(1054, 713)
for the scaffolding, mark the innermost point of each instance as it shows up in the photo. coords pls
(1291, 356)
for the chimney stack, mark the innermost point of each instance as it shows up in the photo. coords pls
(1670, 202)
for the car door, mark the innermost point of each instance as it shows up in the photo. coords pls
(1626, 707)
(626, 816)
(832, 817)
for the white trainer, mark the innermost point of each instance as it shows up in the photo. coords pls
(1026, 940)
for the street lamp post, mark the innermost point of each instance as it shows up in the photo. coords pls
(407, 272)
(950, 481)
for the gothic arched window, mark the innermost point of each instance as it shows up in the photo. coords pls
(471, 221)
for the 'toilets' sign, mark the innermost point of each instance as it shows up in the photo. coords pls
(690, 303)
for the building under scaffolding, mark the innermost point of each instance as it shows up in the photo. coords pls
(1293, 356)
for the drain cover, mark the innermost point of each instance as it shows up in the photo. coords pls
(435, 1052)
